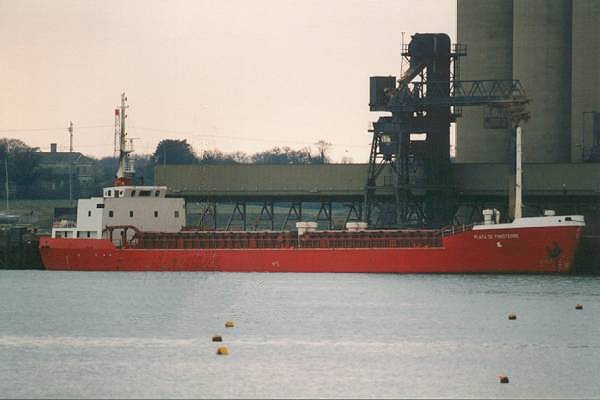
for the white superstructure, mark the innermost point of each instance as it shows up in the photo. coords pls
(145, 207)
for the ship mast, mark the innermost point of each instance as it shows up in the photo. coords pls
(518, 175)
(124, 171)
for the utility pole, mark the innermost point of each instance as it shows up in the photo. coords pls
(6, 179)
(70, 136)
(70, 161)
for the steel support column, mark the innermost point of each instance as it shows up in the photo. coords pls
(296, 209)
(325, 209)
(268, 210)
(210, 211)
(238, 209)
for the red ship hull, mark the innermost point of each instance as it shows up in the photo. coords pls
(510, 250)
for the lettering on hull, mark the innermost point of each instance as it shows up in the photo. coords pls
(495, 236)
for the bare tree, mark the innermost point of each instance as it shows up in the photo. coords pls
(322, 152)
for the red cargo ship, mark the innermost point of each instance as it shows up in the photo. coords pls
(137, 228)
(528, 245)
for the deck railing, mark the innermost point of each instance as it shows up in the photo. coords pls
(454, 229)
(283, 243)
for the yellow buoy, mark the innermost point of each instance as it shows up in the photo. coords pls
(229, 324)
(579, 307)
(222, 351)
(512, 316)
(217, 338)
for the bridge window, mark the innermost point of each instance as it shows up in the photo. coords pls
(157, 193)
(155, 214)
(111, 213)
(100, 205)
(145, 192)
(133, 193)
(88, 234)
(130, 214)
(89, 213)
(108, 193)
(176, 213)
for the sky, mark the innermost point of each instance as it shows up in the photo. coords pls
(228, 75)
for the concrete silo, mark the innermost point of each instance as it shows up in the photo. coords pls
(585, 77)
(542, 61)
(486, 28)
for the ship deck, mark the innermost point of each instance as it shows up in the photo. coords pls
(288, 239)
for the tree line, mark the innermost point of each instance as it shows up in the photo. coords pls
(26, 172)
(171, 151)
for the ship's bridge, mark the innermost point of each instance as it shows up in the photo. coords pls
(134, 191)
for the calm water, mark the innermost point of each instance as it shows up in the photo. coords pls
(71, 334)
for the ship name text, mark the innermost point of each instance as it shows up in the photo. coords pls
(495, 236)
